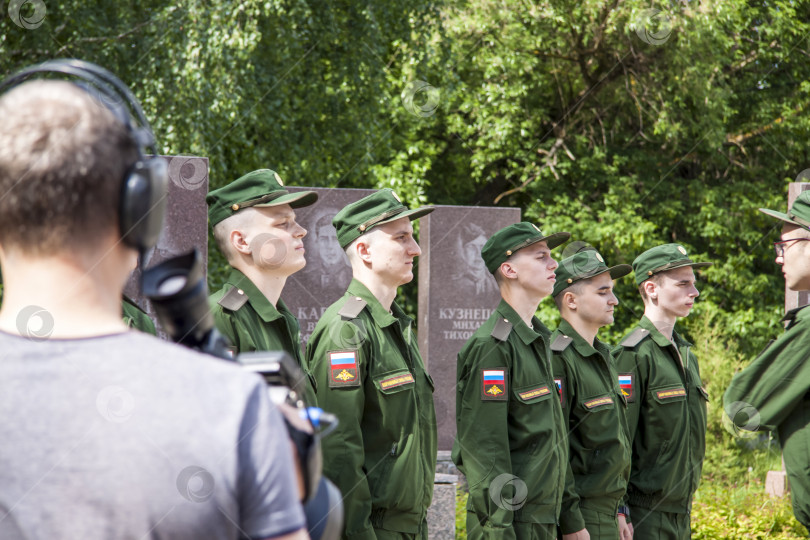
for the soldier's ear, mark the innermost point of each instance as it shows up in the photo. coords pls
(651, 289)
(239, 242)
(362, 249)
(570, 300)
(507, 270)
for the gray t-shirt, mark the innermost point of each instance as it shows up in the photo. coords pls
(127, 436)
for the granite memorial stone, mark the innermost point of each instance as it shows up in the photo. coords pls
(186, 223)
(457, 294)
(309, 292)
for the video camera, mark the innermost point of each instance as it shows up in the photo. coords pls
(178, 291)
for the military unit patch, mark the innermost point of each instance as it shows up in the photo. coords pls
(627, 386)
(590, 404)
(343, 369)
(675, 392)
(560, 382)
(534, 393)
(493, 385)
(396, 380)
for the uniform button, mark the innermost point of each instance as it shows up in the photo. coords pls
(235, 207)
(240, 291)
(357, 298)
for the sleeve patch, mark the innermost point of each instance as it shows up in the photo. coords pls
(343, 369)
(628, 386)
(560, 382)
(493, 385)
(677, 392)
(534, 392)
(597, 402)
(396, 380)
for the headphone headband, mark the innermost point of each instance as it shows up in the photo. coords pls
(144, 189)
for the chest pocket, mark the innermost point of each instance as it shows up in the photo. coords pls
(533, 393)
(599, 403)
(394, 381)
(668, 394)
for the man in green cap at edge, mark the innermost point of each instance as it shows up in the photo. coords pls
(367, 370)
(666, 402)
(773, 392)
(593, 406)
(511, 437)
(254, 225)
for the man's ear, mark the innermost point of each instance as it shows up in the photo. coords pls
(569, 300)
(363, 251)
(651, 289)
(507, 270)
(239, 242)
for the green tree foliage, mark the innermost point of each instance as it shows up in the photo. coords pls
(627, 123)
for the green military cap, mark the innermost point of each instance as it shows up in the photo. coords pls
(379, 208)
(661, 259)
(798, 214)
(508, 240)
(585, 264)
(258, 188)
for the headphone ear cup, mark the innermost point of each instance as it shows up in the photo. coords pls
(143, 203)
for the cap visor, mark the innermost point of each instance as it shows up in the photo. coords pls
(620, 270)
(296, 200)
(692, 264)
(556, 239)
(780, 215)
(416, 213)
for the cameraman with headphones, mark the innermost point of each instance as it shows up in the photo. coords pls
(110, 433)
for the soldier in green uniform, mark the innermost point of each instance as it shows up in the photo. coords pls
(135, 317)
(367, 370)
(254, 225)
(773, 393)
(593, 405)
(666, 402)
(511, 437)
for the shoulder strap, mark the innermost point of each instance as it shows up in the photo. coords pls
(233, 299)
(501, 330)
(561, 342)
(635, 337)
(352, 307)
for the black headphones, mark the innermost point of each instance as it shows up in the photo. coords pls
(144, 189)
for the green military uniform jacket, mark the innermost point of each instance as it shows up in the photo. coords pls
(252, 323)
(135, 317)
(773, 394)
(594, 410)
(666, 418)
(246, 317)
(509, 428)
(367, 370)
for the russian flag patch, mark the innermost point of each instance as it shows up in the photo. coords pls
(627, 386)
(493, 384)
(343, 369)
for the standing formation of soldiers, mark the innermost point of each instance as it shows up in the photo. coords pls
(558, 434)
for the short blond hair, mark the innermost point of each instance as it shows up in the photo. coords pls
(63, 158)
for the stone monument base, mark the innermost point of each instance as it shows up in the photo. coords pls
(776, 484)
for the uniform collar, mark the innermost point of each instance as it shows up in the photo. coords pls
(584, 348)
(526, 334)
(659, 338)
(267, 311)
(380, 315)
